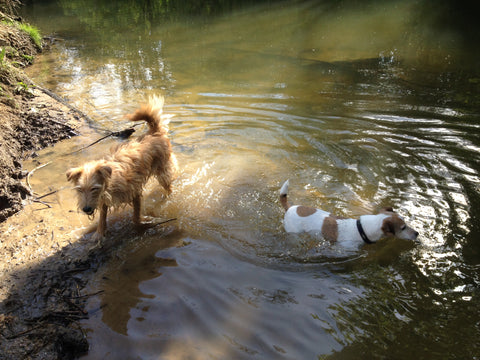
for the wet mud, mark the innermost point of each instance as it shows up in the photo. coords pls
(40, 299)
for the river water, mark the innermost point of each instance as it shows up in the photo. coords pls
(360, 106)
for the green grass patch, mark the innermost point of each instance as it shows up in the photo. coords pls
(33, 32)
(2, 57)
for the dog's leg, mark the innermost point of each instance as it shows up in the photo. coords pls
(165, 181)
(101, 228)
(137, 204)
(143, 222)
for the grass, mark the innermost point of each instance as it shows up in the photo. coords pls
(30, 30)
(33, 32)
(2, 56)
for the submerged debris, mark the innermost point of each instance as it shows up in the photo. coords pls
(40, 318)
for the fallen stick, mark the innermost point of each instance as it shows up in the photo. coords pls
(30, 173)
(21, 333)
(88, 295)
(75, 306)
(122, 134)
(75, 270)
(166, 221)
(43, 203)
(47, 194)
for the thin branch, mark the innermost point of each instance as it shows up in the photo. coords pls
(30, 173)
(88, 295)
(166, 221)
(47, 194)
(43, 203)
(122, 134)
(21, 333)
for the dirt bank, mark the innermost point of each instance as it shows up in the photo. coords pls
(40, 300)
(36, 301)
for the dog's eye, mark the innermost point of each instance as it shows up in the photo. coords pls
(403, 227)
(79, 189)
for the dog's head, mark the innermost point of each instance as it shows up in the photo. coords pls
(394, 225)
(90, 181)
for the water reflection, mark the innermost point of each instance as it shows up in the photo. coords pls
(207, 310)
(130, 271)
(410, 307)
(361, 106)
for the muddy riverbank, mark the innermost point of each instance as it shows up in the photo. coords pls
(40, 300)
(38, 291)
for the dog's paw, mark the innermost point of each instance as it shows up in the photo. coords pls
(145, 223)
(150, 220)
(98, 239)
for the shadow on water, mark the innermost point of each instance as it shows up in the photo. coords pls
(386, 114)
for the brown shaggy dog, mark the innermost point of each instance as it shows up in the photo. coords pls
(119, 178)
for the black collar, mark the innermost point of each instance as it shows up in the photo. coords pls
(362, 233)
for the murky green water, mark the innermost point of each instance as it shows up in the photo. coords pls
(360, 106)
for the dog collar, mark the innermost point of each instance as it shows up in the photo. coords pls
(362, 233)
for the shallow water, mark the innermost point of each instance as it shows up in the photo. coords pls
(360, 107)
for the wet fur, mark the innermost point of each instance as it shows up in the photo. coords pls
(300, 218)
(119, 179)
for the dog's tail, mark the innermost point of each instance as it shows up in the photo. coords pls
(152, 114)
(283, 195)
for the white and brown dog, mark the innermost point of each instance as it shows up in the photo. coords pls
(119, 178)
(349, 233)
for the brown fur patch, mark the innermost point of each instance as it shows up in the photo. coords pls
(284, 201)
(305, 211)
(392, 225)
(330, 229)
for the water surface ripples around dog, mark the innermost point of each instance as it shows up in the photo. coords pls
(252, 110)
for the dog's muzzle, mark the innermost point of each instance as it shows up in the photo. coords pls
(88, 210)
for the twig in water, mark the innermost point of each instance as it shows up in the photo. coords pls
(86, 147)
(47, 194)
(43, 203)
(122, 134)
(88, 295)
(21, 333)
(30, 173)
(75, 306)
(75, 270)
(166, 221)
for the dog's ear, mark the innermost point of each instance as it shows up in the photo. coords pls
(386, 209)
(388, 227)
(105, 171)
(74, 174)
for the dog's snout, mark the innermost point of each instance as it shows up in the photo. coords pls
(88, 210)
(413, 235)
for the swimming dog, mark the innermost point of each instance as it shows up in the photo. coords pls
(349, 233)
(119, 178)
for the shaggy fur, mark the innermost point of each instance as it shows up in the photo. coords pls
(119, 178)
